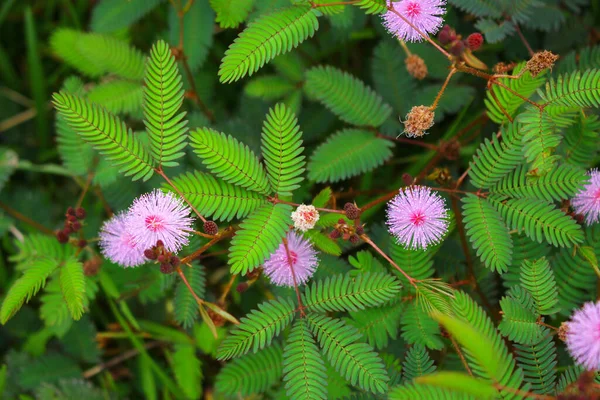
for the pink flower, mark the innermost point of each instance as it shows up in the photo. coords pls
(417, 217)
(118, 245)
(424, 14)
(587, 201)
(583, 336)
(303, 258)
(159, 216)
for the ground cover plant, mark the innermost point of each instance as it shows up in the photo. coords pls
(244, 199)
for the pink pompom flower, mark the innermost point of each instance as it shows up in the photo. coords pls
(118, 245)
(587, 201)
(423, 14)
(583, 336)
(303, 258)
(417, 217)
(158, 216)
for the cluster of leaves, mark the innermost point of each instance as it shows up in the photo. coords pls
(147, 110)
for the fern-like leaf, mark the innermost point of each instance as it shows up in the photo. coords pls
(230, 160)
(72, 285)
(419, 328)
(346, 96)
(519, 322)
(266, 38)
(416, 263)
(258, 329)
(163, 96)
(187, 369)
(372, 6)
(111, 15)
(539, 220)
(537, 277)
(355, 361)
(479, 8)
(304, 371)
(540, 140)
(107, 133)
(578, 89)
(282, 150)
(378, 324)
(231, 13)
(538, 362)
(580, 144)
(119, 96)
(346, 154)
(347, 293)
(185, 306)
(26, 287)
(417, 363)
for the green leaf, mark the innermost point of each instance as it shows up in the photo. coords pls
(580, 141)
(80, 341)
(185, 306)
(107, 133)
(479, 8)
(539, 220)
(282, 150)
(119, 96)
(578, 89)
(372, 6)
(487, 232)
(304, 371)
(347, 97)
(323, 242)
(215, 198)
(72, 285)
(259, 236)
(163, 97)
(265, 38)
(419, 328)
(538, 362)
(231, 13)
(24, 288)
(95, 55)
(519, 323)
(198, 29)
(378, 324)
(49, 368)
(111, 15)
(537, 277)
(255, 373)
(269, 87)
(230, 160)
(460, 382)
(8, 163)
(355, 361)
(348, 153)
(258, 329)
(495, 32)
(187, 369)
(348, 293)
(540, 140)
(417, 363)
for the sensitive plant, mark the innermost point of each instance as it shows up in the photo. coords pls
(413, 220)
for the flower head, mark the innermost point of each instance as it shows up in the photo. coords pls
(583, 336)
(587, 201)
(159, 216)
(418, 120)
(417, 217)
(423, 14)
(118, 245)
(303, 259)
(305, 217)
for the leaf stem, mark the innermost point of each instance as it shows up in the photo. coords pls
(368, 240)
(160, 171)
(291, 265)
(26, 219)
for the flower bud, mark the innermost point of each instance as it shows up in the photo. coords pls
(150, 254)
(352, 212)
(474, 41)
(210, 228)
(80, 213)
(62, 237)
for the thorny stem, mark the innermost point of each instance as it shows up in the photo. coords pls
(525, 42)
(368, 240)
(26, 219)
(275, 200)
(166, 178)
(443, 89)
(426, 37)
(461, 355)
(291, 265)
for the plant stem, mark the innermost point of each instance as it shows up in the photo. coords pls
(443, 89)
(86, 188)
(220, 236)
(189, 287)
(291, 265)
(368, 240)
(275, 200)
(189, 203)
(408, 141)
(118, 359)
(525, 42)
(461, 355)
(14, 213)
(384, 198)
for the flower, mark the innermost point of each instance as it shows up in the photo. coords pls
(159, 216)
(417, 217)
(305, 217)
(418, 120)
(423, 14)
(118, 245)
(583, 336)
(587, 201)
(303, 259)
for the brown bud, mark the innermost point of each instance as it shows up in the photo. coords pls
(418, 121)
(474, 41)
(82, 243)
(447, 35)
(354, 239)
(457, 48)
(210, 228)
(360, 230)
(166, 268)
(80, 213)
(416, 66)
(150, 254)
(70, 211)
(352, 212)
(62, 237)
(407, 179)
(242, 287)
(562, 331)
(91, 267)
(71, 218)
(335, 234)
(540, 61)
(161, 259)
(67, 229)
(159, 243)
(76, 226)
(175, 261)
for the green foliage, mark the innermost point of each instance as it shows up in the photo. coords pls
(254, 373)
(390, 77)
(215, 198)
(111, 15)
(372, 6)
(107, 133)
(230, 160)
(378, 325)
(8, 162)
(538, 362)
(539, 220)
(118, 96)
(282, 150)
(266, 38)
(258, 329)
(519, 323)
(347, 293)
(523, 249)
(32, 280)
(346, 96)
(417, 363)
(163, 96)
(231, 13)
(495, 32)
(186, 308)
(540, 139)
(426, 392)
(259, 235)
(95, 54)
(303, 368)
(72, 285)
(420, 329)
(187, 370)
(348, 153)
(537, 277)
(580, 144)
(49, 368)
(488, 233)
(578, 89)
(356, 362)
(480, 8)
(416, 263)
